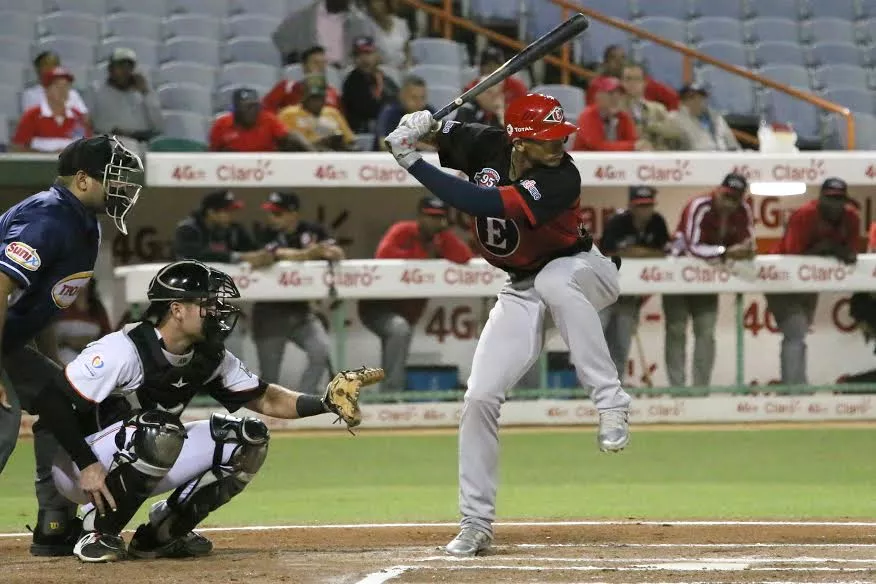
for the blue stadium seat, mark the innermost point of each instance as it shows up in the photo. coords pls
(17, 49)
(838, 75)
(775, 9)
(718, 28)
(865, 131)
(802, 115)
(293, 72)
(192, 50)
(601, 36)
(97, 8)
(248, 74)
(17, 24)
(146, 49)
(832, 30)
(573, 99)
(429, 51)
(71, 49)
(13, 72)
(390, 72)
(773, 29)
(130, 24)
(214, 8)
(845, 9)
(182, 72)
(34, 7)
(836, 53)
(156, 8)
(251, 50)
(662, 63)
(725, 8)
(186, 125)
(680, 9)
(670, 28)
(729, 92)
(435, 75)
(193, 25)
(495, 11)
(541, 16)
(856, 99)
(792, 75)
(733, 53)
(779, 53)
(10, 102)
(251, 25)
(440, 95)
(615, 8)
(69, 24)
(270, 8)
(186, 97)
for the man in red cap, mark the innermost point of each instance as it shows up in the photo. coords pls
(828, 226)
(524, 201)
(605, 125)
(52, 125)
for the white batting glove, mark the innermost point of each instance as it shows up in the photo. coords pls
(420, 121)
(401, 142)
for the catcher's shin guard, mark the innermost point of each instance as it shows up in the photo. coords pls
(190, 504)
(138, 466)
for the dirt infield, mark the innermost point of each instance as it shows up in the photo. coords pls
(586, 553)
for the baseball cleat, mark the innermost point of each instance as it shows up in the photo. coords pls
(144, 546)
(469, 543)
(55, 536)
(97, 547)
(614, 429)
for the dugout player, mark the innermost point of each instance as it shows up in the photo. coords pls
(49, 247)
(524, 198)
(116, 411)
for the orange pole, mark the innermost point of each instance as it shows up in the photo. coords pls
(448, 11)
(564, 52)
(850, 130)
(687, 69)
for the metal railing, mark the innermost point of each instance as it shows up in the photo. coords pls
(689, 55)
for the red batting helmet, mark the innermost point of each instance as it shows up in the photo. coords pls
(537, 117)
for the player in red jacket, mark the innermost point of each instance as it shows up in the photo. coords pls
(524, 200)
(605, 125)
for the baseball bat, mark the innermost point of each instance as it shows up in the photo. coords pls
(643, 362)
(563, 33)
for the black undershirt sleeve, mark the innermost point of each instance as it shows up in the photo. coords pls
(58, 413)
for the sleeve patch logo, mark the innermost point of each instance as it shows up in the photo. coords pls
(529, 185)
(448, 125)
(23, 255)
(97, 362)
(487, 177)
(65, 291)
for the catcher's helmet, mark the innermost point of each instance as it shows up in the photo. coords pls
(537, 117)
(192, 281)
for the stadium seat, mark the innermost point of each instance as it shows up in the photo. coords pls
(733, 53)
(429, 51)
(729, 92)
(271, 8)
(792, 75)
(215, 8)
(601, 36)
(294, 72)
(124, 24)
(779, 53)
(10, 101)
(541, 16)
(390, 72)
(365, 142)
(772, 29)
(162, 144)
(96, 8)
(856, 99)
(146, 49)
(34, 7)
(492, 11)
(440, 95)
(222, 98)
(333, 77)
(5, 138)
(248, 74)
(804, 116)
(13, 73)
(865, 131)
(71, 49)
(615, 8)
(156, 8)
(662, 63)
(725, 8)
(838, 75)
(836, 53)
(680, 9)
(435, 75)
(182, 72)
(250, 25)
(69, 24)
(186, 97)
(186, 125)
(845, 9)
(573, 99)
(832, 30)
(251, 50)
(193, 25)
(775, 9)
(17, 24)
(192, 50)
(710, 29)
(669, 28)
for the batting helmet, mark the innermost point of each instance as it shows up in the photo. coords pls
(537, 117)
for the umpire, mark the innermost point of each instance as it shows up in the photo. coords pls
(49, 246)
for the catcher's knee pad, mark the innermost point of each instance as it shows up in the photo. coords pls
(249, 434)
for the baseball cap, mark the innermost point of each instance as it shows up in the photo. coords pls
(642, 195)
(243, 95)
(835, 187)
(90, 155)
(695, 87)
(121, 54)
(432, 205)
(280, 202)
(220, 201)
(606, 84)
(734, 182)
(57, 73)
(363, 44)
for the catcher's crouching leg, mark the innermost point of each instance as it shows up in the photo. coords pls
(169, 531)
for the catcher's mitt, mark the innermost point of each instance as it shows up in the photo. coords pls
(342, 394)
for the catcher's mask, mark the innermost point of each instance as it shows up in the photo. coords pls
(192, 281)
(119, 169)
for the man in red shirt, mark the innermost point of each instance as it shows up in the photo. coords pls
(716, 226)
(249, 128)
(605, 125)
(288, 92)
(828, 226)
(491, 59)
(52, 125)
(428, 237)
(613, 60)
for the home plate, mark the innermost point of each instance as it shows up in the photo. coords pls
(696, 566)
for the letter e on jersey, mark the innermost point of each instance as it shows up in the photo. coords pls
(23, 255)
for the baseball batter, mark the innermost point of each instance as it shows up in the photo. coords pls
(116, 412)
(524, 197)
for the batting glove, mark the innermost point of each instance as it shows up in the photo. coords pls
(401, 142)
(421, 121)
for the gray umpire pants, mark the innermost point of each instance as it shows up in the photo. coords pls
(619, 323)
(794, 314)
(395, 335)
(276, 323)
(702, 309)
(26, 373)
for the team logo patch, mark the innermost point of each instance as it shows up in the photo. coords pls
(529, 185)
(487, 177)
(499, 237)
(97, 362)
(556, 116)
(64, 293)
(448, 125)
(23, 255)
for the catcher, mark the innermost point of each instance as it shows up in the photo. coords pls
(117, 413)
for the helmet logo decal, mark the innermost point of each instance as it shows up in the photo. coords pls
(556, 116)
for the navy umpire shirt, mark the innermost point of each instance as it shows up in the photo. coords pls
(49, 247)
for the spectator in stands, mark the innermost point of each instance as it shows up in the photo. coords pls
(491, 59)
(829, 226)
(249, 128)
(605, 125)
(366, 89)
(391, 33)
(53, 124)
(327, 23)
(81, 323)
(613, 60)
(288, 92)
(702, 128)
(411, 98)
(715, 226)
(653, 122)
(44, 63)
(488, 108)
(321, 125)
(637, 232)
(276, 323)
(125, 105)
(428, 237)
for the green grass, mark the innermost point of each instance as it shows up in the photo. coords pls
(781, 473)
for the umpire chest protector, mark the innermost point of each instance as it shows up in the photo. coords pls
(170, 387)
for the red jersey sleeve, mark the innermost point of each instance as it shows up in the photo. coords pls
(217, 133)
(660, 92)
(273, 100)
(453, 248)
(26, 129)
(398, 242)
